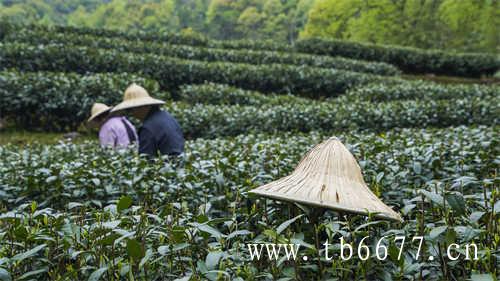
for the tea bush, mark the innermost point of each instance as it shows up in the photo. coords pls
(210, 121)
(380, 92)
(212, 93)
(78, 212)
(172, 72)
(167, 37)
(60, 101)
(200, 53)
(408, 59)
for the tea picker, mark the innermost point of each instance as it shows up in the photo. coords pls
(328, 177)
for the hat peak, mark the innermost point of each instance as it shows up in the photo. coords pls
(135, 91)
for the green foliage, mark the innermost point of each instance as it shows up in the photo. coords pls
(60, 101)
(172, 72)
(469, 26)
(130, 16)
(209, 121)
(410, 60)
(219, 94)
(211, 93)
(50, 99)
(444, 24)
(164, 37)
(186, 223)
(422, 90)
(28, 35)
(257, 19)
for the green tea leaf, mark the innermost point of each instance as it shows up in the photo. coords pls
(5, 275)
(213, 259)
(96, 275)
(482, 277)
(434, 197)
(96, 181)
(28, 254)
(124, 203)
(146, 258)
(435, 232)
(212, 231)
(30, 274)
(134, 249)
(457, 203)
(286, 224)
(51, 179)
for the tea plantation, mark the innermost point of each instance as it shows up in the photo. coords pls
(250, 111)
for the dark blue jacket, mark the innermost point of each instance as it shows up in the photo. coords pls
(160, 134)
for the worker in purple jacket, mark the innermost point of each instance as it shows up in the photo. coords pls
(115, 131)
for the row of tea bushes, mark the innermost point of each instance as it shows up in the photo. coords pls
(172, 72)
(410, 60)
(212, 93)
(7, 28)
(380, 92)
(60, 101)
(209, 121)
(200, 53)
(147, 221)
(57, 101)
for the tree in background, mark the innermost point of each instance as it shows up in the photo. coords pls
(44, 11)
(129, 15)
(471, 25)
(222, 16)
(257, 19)
(468, 25)
(191, 14)
(464, 25)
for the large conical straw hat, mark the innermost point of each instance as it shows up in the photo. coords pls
(135, 96)
(98, 109)
(329, 177)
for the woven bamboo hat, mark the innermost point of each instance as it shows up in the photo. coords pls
(97, 110)
(135, 96)
(328, 176)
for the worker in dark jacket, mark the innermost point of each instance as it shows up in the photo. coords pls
(160, 133)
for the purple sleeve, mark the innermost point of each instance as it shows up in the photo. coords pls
(107, 136)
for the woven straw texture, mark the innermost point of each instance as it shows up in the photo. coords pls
(328, 176)
(98, 109)
(135, 96)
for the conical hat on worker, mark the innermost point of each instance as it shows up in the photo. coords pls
(136, 96)
(328, 177)
(97, 110)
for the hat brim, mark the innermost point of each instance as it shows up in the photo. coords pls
(335, 207)
(98, 114)
(269, 191)
(138, 102)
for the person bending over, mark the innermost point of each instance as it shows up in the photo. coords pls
(160, 133)
(114, 131)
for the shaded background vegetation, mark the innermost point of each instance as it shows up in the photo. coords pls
(469, 25)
